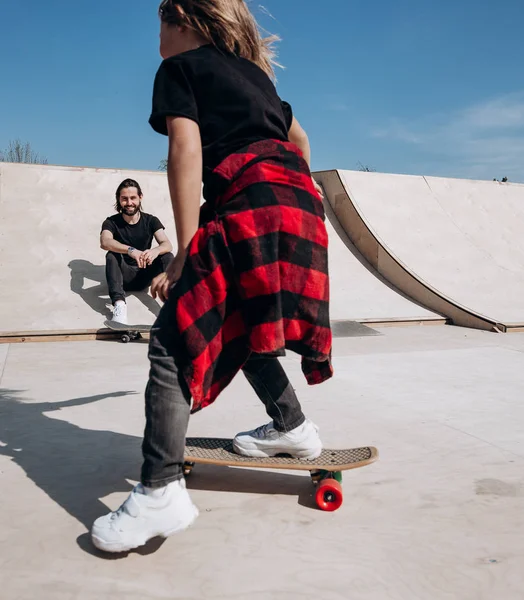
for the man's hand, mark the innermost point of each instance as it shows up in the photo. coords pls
(139, 257)
(148, 256)
(161, 285)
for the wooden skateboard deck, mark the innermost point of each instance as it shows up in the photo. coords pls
(325, 470)
(129, 332)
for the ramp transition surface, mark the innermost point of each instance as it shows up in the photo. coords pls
(455, 246)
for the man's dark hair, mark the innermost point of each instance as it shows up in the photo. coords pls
(127, 183)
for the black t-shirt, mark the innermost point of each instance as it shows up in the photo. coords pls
(139, 236)
(233, 101)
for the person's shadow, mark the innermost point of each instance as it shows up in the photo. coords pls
(73, 466)
(97, 296)
(76, 467)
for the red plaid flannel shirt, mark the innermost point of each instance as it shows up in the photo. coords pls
(256, 276)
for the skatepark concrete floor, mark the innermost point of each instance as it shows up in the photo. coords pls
(439, 516)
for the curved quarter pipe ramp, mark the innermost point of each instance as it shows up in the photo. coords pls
(455, 246)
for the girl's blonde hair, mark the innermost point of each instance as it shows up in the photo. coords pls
(227, 24)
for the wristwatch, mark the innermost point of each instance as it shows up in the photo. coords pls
(130, 250)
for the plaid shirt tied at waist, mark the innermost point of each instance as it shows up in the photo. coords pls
(256, 278)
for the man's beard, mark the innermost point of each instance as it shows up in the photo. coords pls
(131, 211)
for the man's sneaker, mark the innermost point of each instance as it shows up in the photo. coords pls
(301, 442)
(120, 313)
(143, 516)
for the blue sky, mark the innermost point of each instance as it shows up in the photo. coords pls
(404, 86)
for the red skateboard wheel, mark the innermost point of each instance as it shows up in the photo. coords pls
(329, 495)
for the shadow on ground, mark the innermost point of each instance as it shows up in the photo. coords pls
(96, 297)
(78, 467)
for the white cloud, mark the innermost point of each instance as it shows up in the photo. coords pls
(335, 103)
(484, 140)
(400, 131)
(504, 112)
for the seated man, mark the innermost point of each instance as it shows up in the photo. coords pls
(131, 264)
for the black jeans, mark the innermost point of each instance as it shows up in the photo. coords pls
(168, 403)
(122, 277)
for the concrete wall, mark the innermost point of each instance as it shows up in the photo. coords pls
(52, 273)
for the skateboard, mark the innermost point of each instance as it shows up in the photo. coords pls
(325, 471)
(129, 332)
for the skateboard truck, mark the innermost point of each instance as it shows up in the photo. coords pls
(128, 332)
(131, 336)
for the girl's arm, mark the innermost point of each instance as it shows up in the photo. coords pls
(299, 137)
(184, 175)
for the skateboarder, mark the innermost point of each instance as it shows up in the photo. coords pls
(131, 263)
(250, 277)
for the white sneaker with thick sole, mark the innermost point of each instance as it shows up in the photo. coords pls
(120, 313)
(143, 516)
(265, 441)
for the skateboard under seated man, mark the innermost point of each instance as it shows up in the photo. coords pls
(131, 262)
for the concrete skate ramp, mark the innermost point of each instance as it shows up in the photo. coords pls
(52, 273)
(455, 246)
(357, 293)
(52, 270)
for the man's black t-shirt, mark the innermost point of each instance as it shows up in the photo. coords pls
(139, 236)
(233, 101)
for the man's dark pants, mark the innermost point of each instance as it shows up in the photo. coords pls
(123, 277)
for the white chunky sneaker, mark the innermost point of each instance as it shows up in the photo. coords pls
(301, 442)
(120, 313)
(144, 515)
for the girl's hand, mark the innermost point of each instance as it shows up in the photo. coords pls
(318, 188)
(161, 285)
